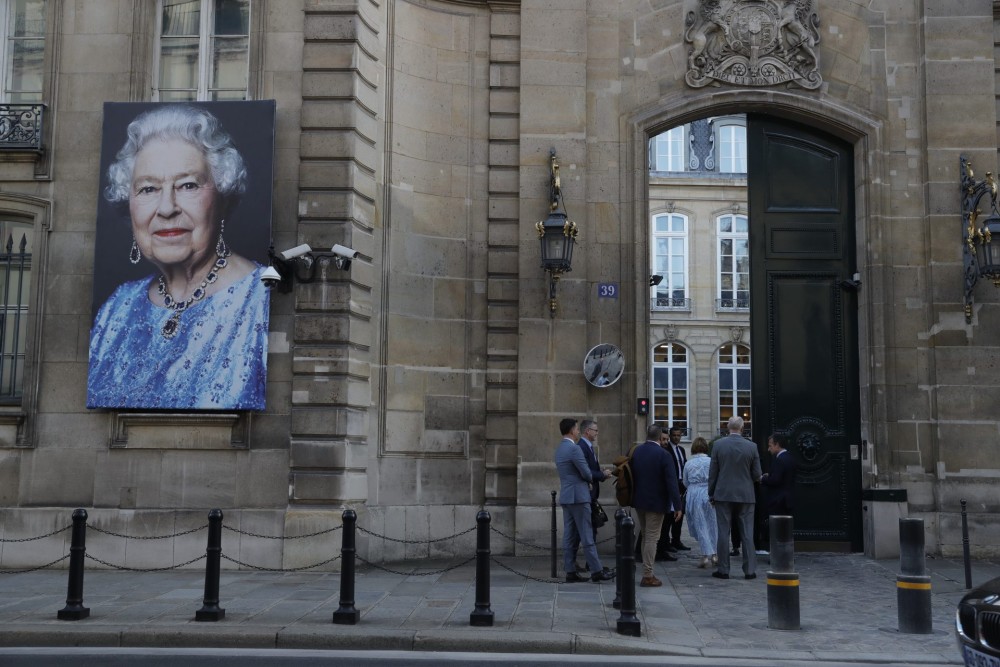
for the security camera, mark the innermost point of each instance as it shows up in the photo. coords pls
(344, 251)
(270, 277)
(297, 251)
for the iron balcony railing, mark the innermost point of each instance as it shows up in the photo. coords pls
(670, 303)
(737, 305)
(21, 126)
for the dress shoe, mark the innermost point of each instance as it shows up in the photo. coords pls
(573, 577)
(719, 575)
(680, 547)
(703, 563)
(750, 576)
(650, 582)
(665, 557)
(603, 575)
(670, 548)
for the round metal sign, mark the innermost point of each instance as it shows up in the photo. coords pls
(603, 365)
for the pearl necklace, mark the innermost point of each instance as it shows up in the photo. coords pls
(171, 326)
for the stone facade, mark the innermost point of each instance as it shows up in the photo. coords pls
(428, 381)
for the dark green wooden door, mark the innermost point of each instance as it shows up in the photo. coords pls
(803, 313)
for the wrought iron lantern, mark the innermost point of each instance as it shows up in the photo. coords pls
(557, 234)
(981, 248)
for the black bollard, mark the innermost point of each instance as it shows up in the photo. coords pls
(782, 580)
(74, 609)
(619, 517)
(555, 537)
(346, 614)
(210, 610)
(482, 615)
(965, 548)
(628, 622)
(913, 587)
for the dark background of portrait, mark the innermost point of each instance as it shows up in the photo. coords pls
(248, 227)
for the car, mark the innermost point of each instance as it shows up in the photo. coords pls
(977, 625)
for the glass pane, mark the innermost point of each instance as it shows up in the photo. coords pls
(743, 355)
(677, 224)
(25, 65)
(742, 247)
(679, 354)
(232, 17)
(725, 379)
(726, 224)
(680, 378)
(228, 95)
(661, 223)
(741, 224)
(662, 246)
(660, 378)
(181, 17)
(229, 63)
(178, 95)
(179, 63)
(28, 19)
(743, 378)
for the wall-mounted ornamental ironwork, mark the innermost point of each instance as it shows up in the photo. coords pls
(557, 234)
(21, 126)
(753, 43)
(981, 238)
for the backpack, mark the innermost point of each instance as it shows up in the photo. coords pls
(624, 480)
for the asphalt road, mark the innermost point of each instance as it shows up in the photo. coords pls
(148, 657)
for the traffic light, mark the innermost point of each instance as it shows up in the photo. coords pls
(642, 406)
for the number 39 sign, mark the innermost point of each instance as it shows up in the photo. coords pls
(607, 290)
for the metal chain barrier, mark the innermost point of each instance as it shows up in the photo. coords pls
(516, 540)
(436, 539)
(279, 569)
(35, 569)
(142, 569)
(282, 537)
(522, 574)
(40, 537)
(146, 537)
(416, 574)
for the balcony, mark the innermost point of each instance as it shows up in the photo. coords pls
(738, 305)
(21, 127)
(670, 303)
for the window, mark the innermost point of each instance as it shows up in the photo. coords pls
(670, 261)
(23, 49)
(734, 385)
(15, 285)
(732, 149)
(204, 50)
(668, 150)
(734, 263)
(670, 385)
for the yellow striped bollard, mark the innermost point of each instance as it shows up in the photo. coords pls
(913, 586)
(782, 580)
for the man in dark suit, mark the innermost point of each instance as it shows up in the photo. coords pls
(588, 438)
(670, 538)
(780, 481)
(574, 496)
(734, 470)
(655, 475)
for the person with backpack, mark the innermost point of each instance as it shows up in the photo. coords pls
(574, 496)
(654, 473)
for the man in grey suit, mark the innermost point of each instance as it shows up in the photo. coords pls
(574, 496)
(734, 469)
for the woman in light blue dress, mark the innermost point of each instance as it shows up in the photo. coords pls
(700, 513)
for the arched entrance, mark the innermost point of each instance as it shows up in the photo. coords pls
(808, 196)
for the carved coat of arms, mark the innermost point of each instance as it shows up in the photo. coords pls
(753, 43)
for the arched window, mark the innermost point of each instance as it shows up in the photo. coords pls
(734, 263)
(670, 385)
(734, 385)
(670, 260)
(732, 143)
(668, 150)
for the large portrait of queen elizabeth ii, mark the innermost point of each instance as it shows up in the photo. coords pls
(183, 227)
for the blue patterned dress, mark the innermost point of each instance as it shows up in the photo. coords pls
(700, 513)
(217, 360)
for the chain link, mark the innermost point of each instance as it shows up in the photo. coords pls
(522, 574)
(40, 537)
(518, 541)
(416, 574)
(147, 537)
(143, 569)
(279, 569)
(282, 537)
(437, 539)
(35, 569)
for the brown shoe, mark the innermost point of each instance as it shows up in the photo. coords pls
(650, 582)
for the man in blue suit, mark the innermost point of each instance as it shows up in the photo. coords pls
(655, 474)
(574, 496)
(588, 438)
(781, 479)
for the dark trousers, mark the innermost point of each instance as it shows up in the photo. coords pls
(671, 533)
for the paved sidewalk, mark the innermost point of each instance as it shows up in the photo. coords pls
(848, 605)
